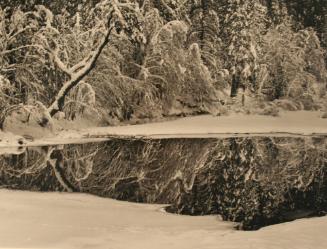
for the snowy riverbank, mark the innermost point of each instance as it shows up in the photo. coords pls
(301, 123)
(58, 220)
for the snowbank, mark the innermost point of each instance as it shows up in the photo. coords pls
(53, 220)
(301, 123)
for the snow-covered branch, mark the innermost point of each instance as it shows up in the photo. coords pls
(82, 68)
(78, 75)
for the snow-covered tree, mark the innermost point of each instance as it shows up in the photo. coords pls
(242, 24)
(16, 31)
(46, 55)
(181, 77)
(80, 101)
(107, 19)
(295, 64)
(204, 30)
(48, 49)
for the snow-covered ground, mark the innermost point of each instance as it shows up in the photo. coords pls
(301, 122)
(60, 220)
(287, 124)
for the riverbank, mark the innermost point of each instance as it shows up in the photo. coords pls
(301, 123)
(69, 221)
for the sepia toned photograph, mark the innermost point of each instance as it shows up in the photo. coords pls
(163, 124)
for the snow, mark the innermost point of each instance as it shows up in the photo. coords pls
(301, 123)
(10, 140)
(62, 220)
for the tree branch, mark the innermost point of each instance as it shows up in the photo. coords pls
(58, 103)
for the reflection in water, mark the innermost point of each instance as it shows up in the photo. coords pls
(12, 150)
(22, 162)
(254, 180)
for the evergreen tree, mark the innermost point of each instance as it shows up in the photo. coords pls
(204, 30)
(307, 13)
(242, 24)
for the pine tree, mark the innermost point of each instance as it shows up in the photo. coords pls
(242, 24)
(309, 13)
(204, 30)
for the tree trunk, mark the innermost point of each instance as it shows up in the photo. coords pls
(76, 77)
(235, 85)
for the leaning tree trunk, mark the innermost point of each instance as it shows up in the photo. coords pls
(78, 74)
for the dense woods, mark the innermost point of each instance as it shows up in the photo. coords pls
(118, 60)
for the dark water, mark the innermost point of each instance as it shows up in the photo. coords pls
(256, 181)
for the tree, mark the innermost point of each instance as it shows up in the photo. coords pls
(242, 25)
(59, 51)
(204, 30)
(295, 63)
(306, 13)
(111, 19)
(178, 71)
(16, 32)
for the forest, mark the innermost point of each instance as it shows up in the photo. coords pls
(113, 61)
